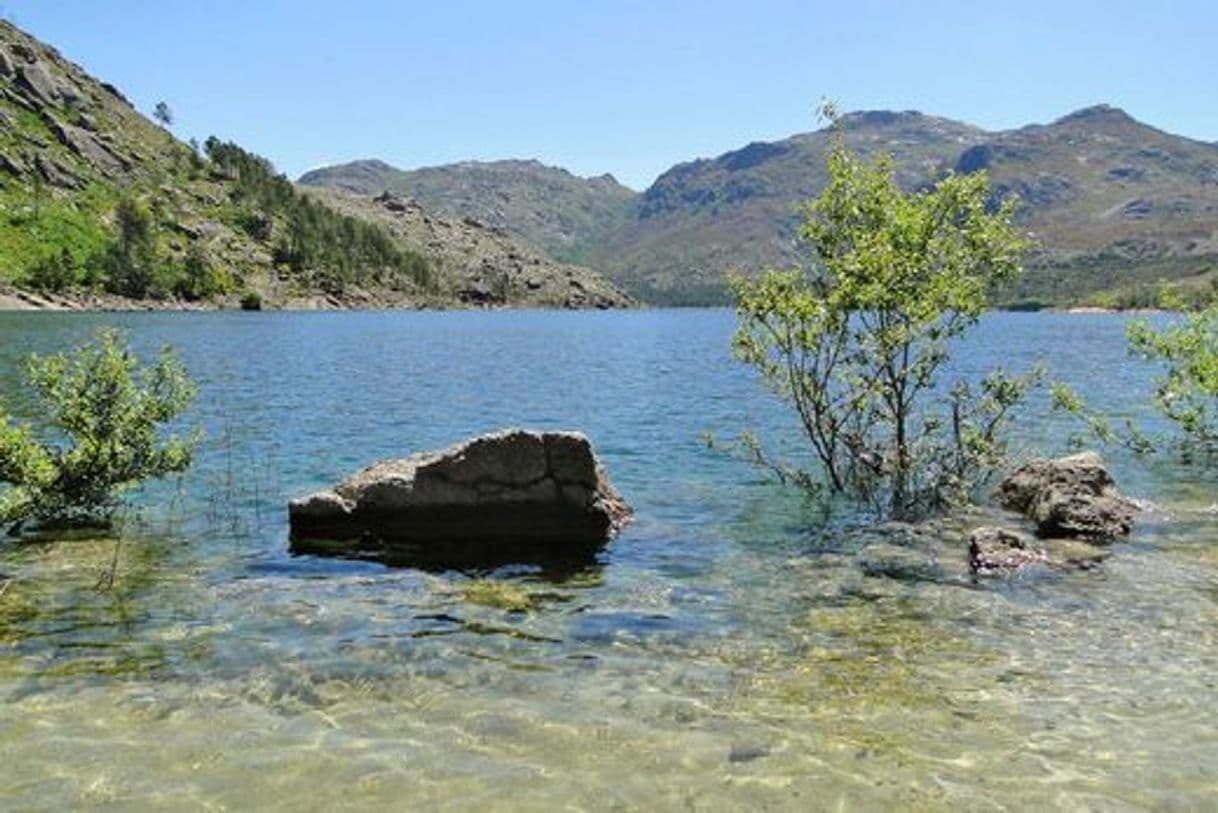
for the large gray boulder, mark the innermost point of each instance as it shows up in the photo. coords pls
(1071, 496)
(507, 490)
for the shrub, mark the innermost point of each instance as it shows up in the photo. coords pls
(256, 224)
(53, 273)
(1187, 393)
(130, 262)
(109, 407)
(251, 301)
(200, 279)
(856, 343)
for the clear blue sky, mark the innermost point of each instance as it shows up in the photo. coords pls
(623, 87)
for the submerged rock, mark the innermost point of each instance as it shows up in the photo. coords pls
(1002, 551)
(902, 562)
(994, 551)
(482, 499)
(1074, 554)
(1071, 496)
(747, 753)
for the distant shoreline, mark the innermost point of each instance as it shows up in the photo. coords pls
(13, 299)
(1084, 310)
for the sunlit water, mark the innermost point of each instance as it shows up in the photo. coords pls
(726, 652)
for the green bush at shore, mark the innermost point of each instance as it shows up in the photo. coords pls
(110, 409)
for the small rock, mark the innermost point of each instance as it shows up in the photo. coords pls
(1002, 551)
(1137, 209)
(1074, 554)
(36, 140)
(392, 202)
(115, 92)
(84, 144)
(24, 52)
(476, 292)
(185, 228)
(56, 174)
(69, 94)
(747, 753)
(899, 562)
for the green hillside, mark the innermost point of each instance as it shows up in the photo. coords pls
(100, 206)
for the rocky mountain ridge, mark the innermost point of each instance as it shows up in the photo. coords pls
(488, 266)
(1117, 207)
(547, 206)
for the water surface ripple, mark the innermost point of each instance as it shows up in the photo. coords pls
(727, 652)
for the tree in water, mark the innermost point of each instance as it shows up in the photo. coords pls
(857, 341)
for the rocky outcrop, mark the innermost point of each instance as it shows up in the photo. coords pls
(56, 174)
(38, 84)
(507, 490)
(1076, 509)
(11, 165)
(1072, 496)
(84, 144)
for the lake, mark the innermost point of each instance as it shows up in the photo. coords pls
(728, 651)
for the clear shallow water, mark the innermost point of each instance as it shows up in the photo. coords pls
(722, 653)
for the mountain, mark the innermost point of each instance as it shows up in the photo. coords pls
(704, 218)
(101, 206)
(549, 207)
(1116, 206)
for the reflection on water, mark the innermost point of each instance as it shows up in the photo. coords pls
(475, 557)
(725, 652)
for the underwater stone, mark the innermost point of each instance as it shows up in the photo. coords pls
(1002, 551)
